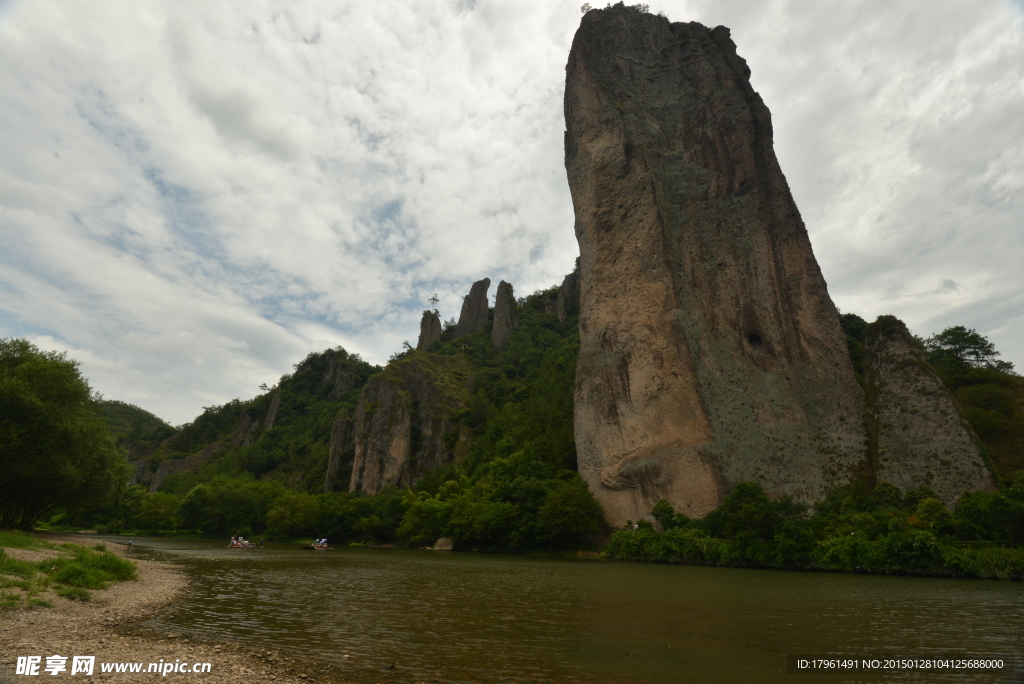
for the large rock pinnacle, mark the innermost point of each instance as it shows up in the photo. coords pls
(918, 437)
(430, 330)
(474, 309)
(506, 315)
(710, 353)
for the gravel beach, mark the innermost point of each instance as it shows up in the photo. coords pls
(98, 628)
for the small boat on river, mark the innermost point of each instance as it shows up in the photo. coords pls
(318, 545)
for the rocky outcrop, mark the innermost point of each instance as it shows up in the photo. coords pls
(340, 451)
(338, 373)
(244, 433)
(275, 404)
(918, 436)
(430, 330)
(444, 544)
(711, 353)
(152, 472)
(506, 315)
(568, 297)
(405, 421)
(193, 462)
(473, 317)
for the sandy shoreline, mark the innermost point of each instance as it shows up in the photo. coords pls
(97, 628)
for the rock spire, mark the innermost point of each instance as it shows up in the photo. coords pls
(710, 351)
(506, 315)
(430, 330)
(474, 309)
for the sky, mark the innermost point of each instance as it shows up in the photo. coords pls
(194, 196)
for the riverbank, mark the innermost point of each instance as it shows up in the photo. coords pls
(101, 627)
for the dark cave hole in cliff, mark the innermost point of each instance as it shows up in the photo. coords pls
(756, 343)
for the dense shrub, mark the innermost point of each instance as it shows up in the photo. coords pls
(853, 529)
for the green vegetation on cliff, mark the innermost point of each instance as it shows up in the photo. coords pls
(258, 467)
(512, 488)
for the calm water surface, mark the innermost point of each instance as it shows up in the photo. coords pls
(460, 617)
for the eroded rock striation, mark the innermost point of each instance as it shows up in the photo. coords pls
(405, 421)
(568, 297)
(430, 330)
(918, 436)
(711, 353)
(474, 315)
(275, 404)
(506, 315)
(340, 450)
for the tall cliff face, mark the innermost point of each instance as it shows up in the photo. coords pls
(473, 317)
(918, 437)
(340, 446)
(568, 297)
(710, 351)
(506, 315)
(405, 421)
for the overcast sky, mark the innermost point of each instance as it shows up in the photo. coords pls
(195, 195)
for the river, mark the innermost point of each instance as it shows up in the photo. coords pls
(463, 617)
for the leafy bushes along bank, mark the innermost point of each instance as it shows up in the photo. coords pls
(516, 504)
(851, 530)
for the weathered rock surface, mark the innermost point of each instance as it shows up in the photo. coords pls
(339, 373)
(918, 436)
(341, 450)
(275, 404)
(430, 330)
(405, 421)
(244, 432)
(193, 462)
(473, 317)
(568, 297)
(711, 353)
(506, 315)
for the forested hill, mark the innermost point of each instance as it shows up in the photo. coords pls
(281, 434)
(260, 465)
(132, 425)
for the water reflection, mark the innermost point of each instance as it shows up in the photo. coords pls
(458, 618)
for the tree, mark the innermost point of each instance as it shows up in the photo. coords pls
(966, 347)
(55, 449)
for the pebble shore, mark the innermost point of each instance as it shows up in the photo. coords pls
(98, 628)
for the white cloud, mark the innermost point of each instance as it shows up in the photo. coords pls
(195, 195)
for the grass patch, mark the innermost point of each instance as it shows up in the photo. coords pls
(15, 567)
(88, 569)
(9, 600)
(13, 539)
(70, 575)
(75, 594)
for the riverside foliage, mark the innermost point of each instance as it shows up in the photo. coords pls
(55, 449)
(851, 530)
